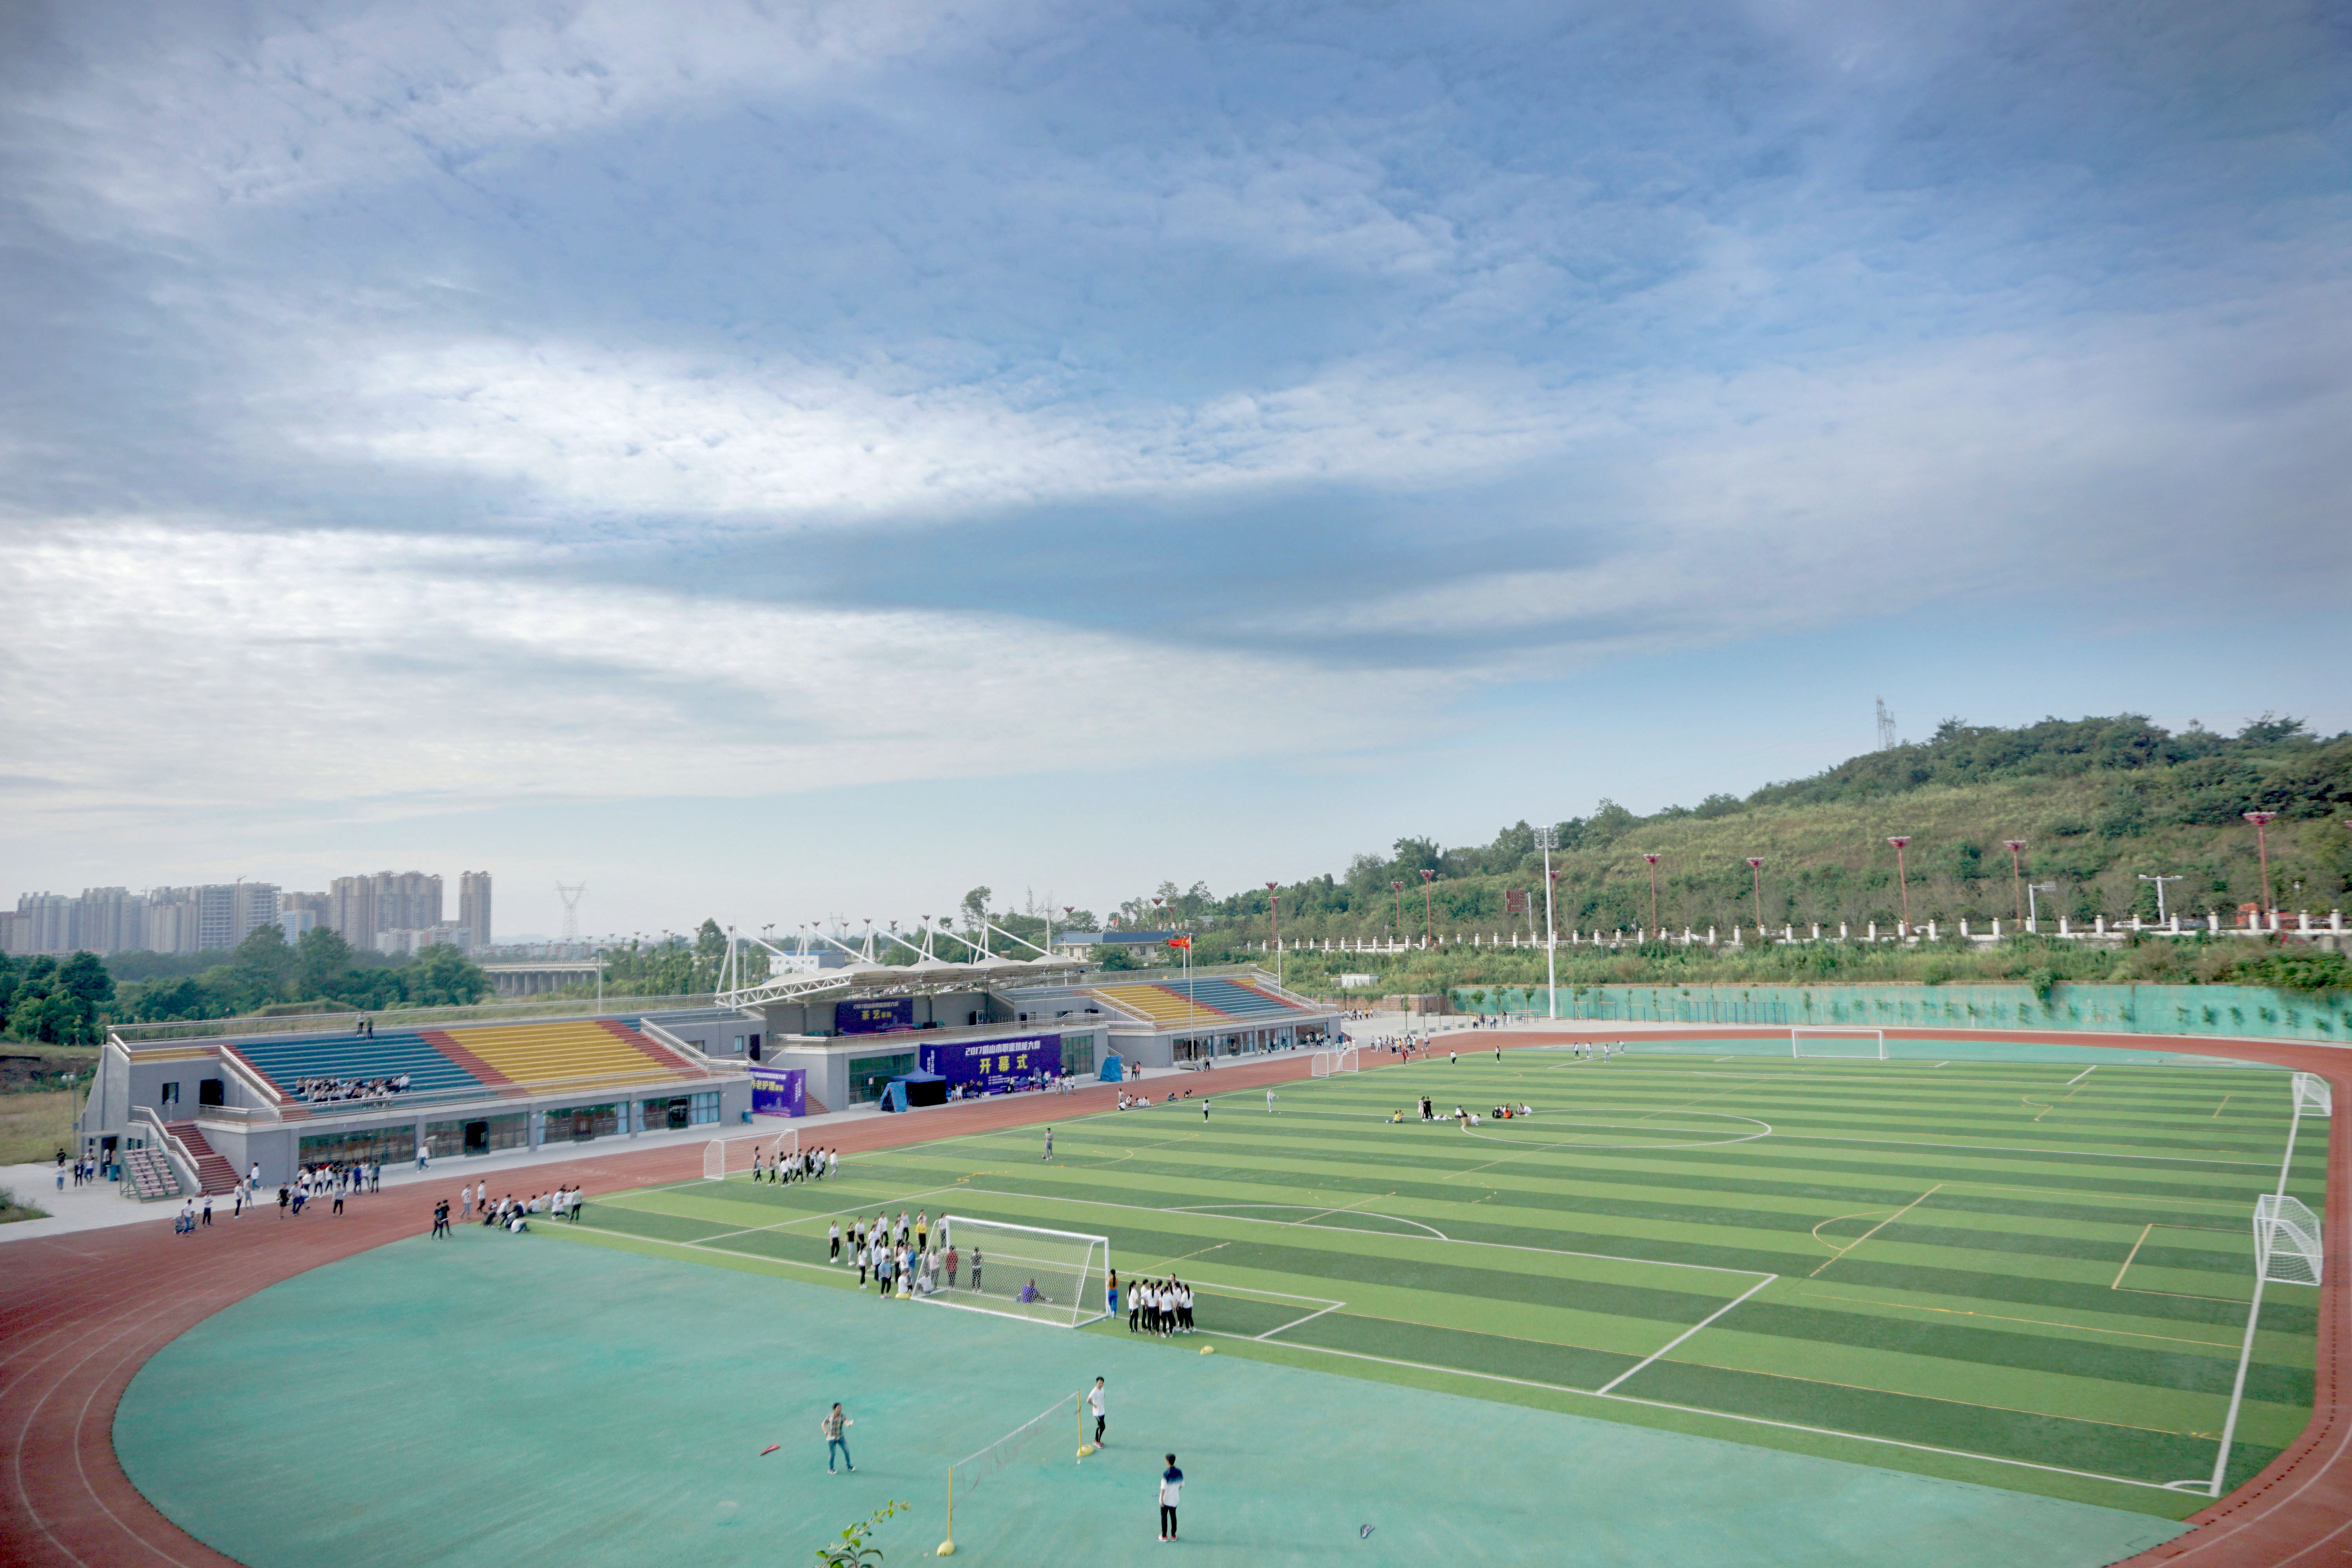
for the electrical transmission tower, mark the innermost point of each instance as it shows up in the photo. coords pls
(571, 911)
(1885, 727)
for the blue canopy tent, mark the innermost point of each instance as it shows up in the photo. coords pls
(909, 1089)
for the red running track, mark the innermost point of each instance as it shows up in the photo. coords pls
(79, 1314)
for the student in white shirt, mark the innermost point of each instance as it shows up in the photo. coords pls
(1095, 1404)
(1172, 1487)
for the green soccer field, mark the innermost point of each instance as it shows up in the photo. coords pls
(2030, 1273)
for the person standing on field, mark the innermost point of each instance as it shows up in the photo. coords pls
(1095, 1404)
(1049, 1143)
(832, 1241)
(1269, 1104)
(1172, 1487)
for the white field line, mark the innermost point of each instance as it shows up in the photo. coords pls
(2008, 1149)
(1449, 1240)
(2081, 1076)
(1686, 1334)
(1882, 1225)
(780, 1224)
(2254, 1317)
(1726, 1415)
(1307, 1319)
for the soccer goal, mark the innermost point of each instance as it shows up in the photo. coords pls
(2311, 1095)
(714, 1159)
(1839, 1044)
(2286, 1240)
(1323, 1064)
(1346, 1060)
(1054, 1276)
(1000, 1456)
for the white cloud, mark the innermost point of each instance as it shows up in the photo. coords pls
(163, 668)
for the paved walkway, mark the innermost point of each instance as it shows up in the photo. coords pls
(79, 1313)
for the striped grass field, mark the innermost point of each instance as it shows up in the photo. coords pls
(2020, 1273)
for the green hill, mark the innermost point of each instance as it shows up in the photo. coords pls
(2098, 801)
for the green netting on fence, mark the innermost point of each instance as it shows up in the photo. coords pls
(2130, 1009)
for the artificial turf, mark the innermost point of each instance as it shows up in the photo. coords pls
(2016, 1272)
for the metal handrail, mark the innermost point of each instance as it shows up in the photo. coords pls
(132, 1035)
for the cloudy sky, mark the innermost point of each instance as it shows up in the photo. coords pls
(784, 459)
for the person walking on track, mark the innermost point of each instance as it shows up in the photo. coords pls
(836, 1427)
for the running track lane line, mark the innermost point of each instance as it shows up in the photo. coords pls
(69, 1502)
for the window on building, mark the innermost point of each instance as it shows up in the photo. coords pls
(171, 1094)
(1077, 1055)
(868, 1075)
(705, 1108)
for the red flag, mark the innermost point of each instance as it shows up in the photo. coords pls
(1183, 942)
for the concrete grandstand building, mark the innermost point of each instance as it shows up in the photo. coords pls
(193, 1114)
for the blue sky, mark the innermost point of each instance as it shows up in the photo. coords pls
(788, 460)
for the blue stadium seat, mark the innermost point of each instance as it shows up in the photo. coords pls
(1236, 1001)
(354, 1057)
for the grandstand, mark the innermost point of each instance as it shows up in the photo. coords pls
(203, 1112)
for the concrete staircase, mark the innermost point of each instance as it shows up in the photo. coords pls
(216, 1174)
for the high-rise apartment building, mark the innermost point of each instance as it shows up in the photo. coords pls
(474, 907)
(359, 908)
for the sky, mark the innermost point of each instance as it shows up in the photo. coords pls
(784, 462)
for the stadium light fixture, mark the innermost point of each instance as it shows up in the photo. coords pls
(1548, 840)
(2016, 848)
(2262, 821)
(1428, 925)
(1652, 860)
(1756, 869)
(1902, 882)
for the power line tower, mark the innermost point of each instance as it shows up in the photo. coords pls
(571, 911)
(1885, 727)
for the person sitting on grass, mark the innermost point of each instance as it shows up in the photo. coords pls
(1029, 1293)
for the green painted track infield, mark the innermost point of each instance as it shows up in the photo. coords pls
(491, 1401)
(2003, 1264)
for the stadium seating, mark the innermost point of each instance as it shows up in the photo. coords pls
(566, 1051)
(286, 1061)
(149, 1175)
(1178, 1002)
(1239, 1000)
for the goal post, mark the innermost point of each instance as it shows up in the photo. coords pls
(786, 1145)
(1000, 1456)
(2311, 1095)
(1323, 1064)
(714, 1159)
(2286, 1241)
(1838, 1045)
(1346, 1061)
(1057, 1277)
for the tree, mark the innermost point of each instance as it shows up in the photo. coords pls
(322, 959)
(265, 963)
(975, 908)
(444, 977)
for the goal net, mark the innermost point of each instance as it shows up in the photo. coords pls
(1322, 1064)
(1842, 1045)
(1000, 1456)
(1346, 1061)
(1054, 1276)
(717, 1154)
(2311, 1095)
(2286, 1240)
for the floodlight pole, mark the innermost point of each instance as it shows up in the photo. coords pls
(1428, 923)
(1547, 840)
(2016, 848)
(2159, 882)
(1902, 882)
(1756, 869)
(2262, 821)
(1652, 860)
(1272, 894)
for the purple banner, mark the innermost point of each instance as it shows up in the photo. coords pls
(780, 1091)
(882, 1016)
(990, 1065)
